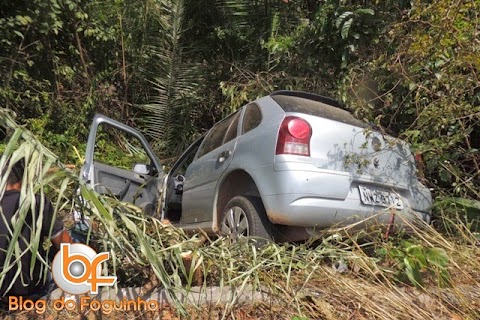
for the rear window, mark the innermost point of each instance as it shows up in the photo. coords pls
(316, 108)
(252, 118)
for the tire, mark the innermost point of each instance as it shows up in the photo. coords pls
(245, 216)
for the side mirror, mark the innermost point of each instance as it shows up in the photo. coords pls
(141, 168)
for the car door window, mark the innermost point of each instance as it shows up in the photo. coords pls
(252, 118)
(180, 167)
(215, 137)
(232, 129)
(116, 148)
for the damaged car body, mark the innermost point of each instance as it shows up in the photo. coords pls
(282, 167)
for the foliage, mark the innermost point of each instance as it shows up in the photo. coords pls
(37, 179)
(310, 45)
(454, 209)
(62, 61)
(175, 67)
(190, 63)
(414, 261)
(425, 78)
(175, 83)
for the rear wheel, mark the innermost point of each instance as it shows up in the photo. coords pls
(245, 216)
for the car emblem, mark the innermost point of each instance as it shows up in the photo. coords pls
(376, 144)
(376, 163)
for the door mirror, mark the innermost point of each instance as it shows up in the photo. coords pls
(141, 168)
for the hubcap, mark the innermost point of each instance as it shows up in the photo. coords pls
(235, 223)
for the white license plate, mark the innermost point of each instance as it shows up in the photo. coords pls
(375, 197)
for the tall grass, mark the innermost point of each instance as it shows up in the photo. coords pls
(296, 280)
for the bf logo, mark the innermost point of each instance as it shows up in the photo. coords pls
(76, 269)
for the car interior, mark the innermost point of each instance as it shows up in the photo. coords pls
(176, 181)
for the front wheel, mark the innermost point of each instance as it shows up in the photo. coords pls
(246, 216)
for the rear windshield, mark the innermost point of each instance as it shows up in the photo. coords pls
(316, 108)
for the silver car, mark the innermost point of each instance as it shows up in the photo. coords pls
(282, 167)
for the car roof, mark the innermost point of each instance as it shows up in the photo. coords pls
(309, 96)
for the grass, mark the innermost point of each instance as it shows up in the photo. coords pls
(341, 275)
(302, 278)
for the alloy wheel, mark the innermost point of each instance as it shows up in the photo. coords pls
(235, 223)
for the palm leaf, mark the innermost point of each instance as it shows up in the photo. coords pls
(123, 230)
(342, 18)
(346, 28)
(175, 83)
(38, 160)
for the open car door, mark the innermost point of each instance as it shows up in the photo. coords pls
(119, 162)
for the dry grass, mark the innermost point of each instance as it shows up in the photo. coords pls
(299, 281)
(313, 289)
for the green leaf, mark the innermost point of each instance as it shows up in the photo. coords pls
(24, 20)
(365, 11)
(18, 33)
(346, 28)
(342, 18)
(90, 195)
(437, 257)
(412, 270)
(445, 176)
(71, 6)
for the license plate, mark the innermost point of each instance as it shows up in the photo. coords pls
(375, 197)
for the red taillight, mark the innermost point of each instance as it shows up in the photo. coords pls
(299, 128)
(294, 137)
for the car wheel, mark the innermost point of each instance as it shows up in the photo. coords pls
(245, 216)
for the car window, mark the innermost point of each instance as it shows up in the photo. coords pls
(119, 149)
(232, 129)
(252, 118)
(216, 135)
(317, 108)
(181, 167)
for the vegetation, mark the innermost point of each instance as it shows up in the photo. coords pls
(428, 78)
(174, 67)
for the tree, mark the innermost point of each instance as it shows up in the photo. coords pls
(426, 78)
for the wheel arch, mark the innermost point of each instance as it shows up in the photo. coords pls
(235, 183)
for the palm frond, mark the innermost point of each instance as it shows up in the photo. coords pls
(36, 177)
(175, 83)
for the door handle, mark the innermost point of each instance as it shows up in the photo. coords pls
(141, 177)
(224, 155)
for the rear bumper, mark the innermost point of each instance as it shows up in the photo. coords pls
(314, 212)
(306, 196)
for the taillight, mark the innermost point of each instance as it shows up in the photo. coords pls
(294, 137)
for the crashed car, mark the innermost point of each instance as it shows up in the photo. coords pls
(281, 167)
